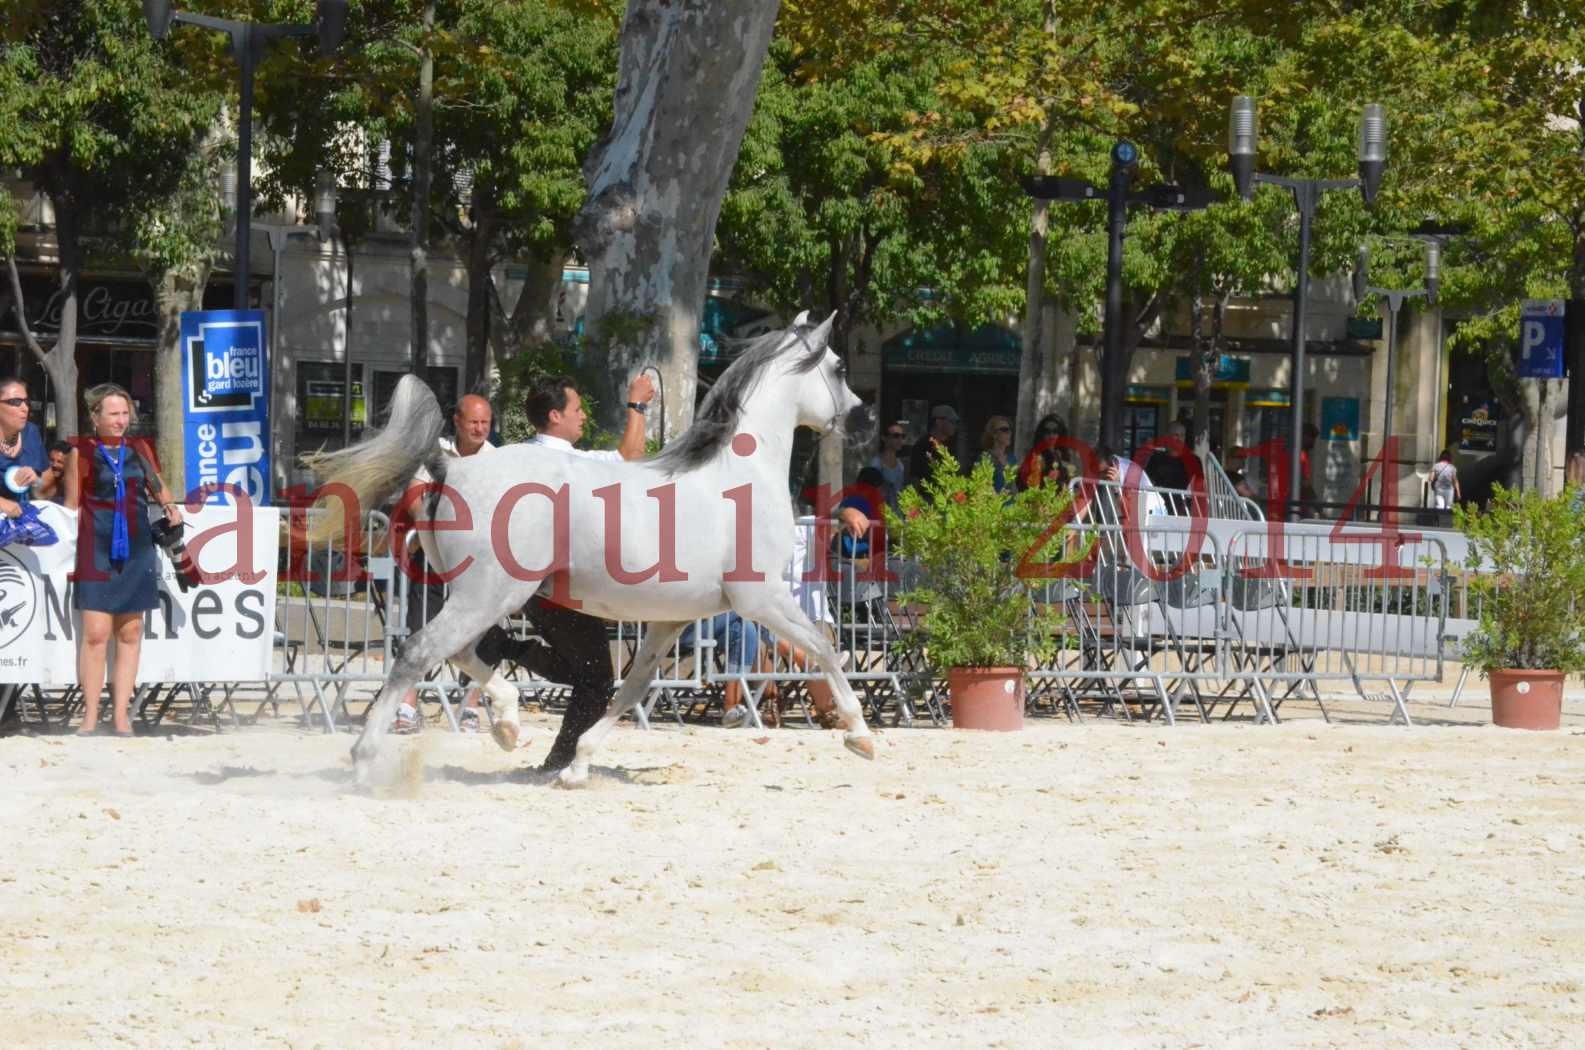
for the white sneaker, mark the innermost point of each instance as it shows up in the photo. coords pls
(734, 717)
(406, 720)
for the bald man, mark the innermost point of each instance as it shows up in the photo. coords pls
(471, 426)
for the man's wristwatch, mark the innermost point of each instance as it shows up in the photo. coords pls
(640, 407)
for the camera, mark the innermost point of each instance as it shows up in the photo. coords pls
(168, 537)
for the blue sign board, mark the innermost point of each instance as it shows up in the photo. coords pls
(1340, 418)
(1541, 339)
(226, 402)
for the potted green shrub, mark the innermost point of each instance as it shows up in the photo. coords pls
(975, 555)
(1527, 564)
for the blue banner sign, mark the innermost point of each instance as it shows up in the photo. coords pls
(1541, 339)
(226, 402)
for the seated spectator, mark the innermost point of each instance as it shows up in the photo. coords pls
(865, 495)
(1166, 467)
(737, 641)
(1123, 470)
(51, 485)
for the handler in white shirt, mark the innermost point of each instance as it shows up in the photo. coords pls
(577, 653)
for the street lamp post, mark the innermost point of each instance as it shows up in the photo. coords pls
(1162, 197)
(249, 41)
(1243, 133)
(1395, 298)
(329, 229)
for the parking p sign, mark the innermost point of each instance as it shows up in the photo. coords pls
(1541, 339)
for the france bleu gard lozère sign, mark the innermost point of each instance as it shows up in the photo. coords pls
(226, 402)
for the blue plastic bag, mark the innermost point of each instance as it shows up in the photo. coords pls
(26, 529)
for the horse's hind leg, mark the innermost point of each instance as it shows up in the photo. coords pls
(453, 628)
(658, 639)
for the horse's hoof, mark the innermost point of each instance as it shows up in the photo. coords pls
(863, 746)
(505, 735)
(567, 780)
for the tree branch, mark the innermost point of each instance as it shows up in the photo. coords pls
(19, 308)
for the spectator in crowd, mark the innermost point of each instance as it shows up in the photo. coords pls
(1166, 467)
(1047, 461)
(578, 654)
(996, 442)
(22, 459)
(1241, 485)
(888, 460)
(112, 479)
(1117, 467)
(1444, 484)
(1574, 477)
(52, 484)
(936, 444)
(426, 596)
(737, 641)
(1309, 501)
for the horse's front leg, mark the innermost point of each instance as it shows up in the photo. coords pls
(658, 639)
(783, 618)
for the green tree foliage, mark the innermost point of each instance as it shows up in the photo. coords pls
(819, 216)
(521, 91)
(104, 123)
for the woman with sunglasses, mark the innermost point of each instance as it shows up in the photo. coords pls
(1049, 459)
(112, 480)
(996, 442)
(888, 460)
(22, 457)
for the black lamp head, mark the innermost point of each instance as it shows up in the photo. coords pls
(158, 14)
(332, 24)
(1372, 149)
(1433, 269)
(1243, 132)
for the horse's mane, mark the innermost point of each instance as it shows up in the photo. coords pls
(717, 419)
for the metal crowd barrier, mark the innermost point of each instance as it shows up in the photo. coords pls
(1164, 617)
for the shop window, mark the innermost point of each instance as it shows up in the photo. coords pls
(441, 379)
(1141, 424)
(320, 404)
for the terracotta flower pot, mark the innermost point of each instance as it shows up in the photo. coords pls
(1527, 699)
(987, 697)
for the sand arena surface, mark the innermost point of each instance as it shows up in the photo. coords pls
(1096, 884)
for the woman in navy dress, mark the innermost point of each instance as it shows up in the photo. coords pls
(117, 579)
(21, 447)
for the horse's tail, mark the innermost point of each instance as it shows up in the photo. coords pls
(370, 472)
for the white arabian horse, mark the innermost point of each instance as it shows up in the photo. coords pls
(704, 526)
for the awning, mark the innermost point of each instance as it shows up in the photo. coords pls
(953, 348)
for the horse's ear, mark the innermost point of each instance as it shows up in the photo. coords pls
(801, 320)
(822, 335)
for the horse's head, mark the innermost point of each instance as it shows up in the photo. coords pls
(822, 396)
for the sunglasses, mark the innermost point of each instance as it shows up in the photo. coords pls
(14, 402)
(895, 434)
(1002, 430)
